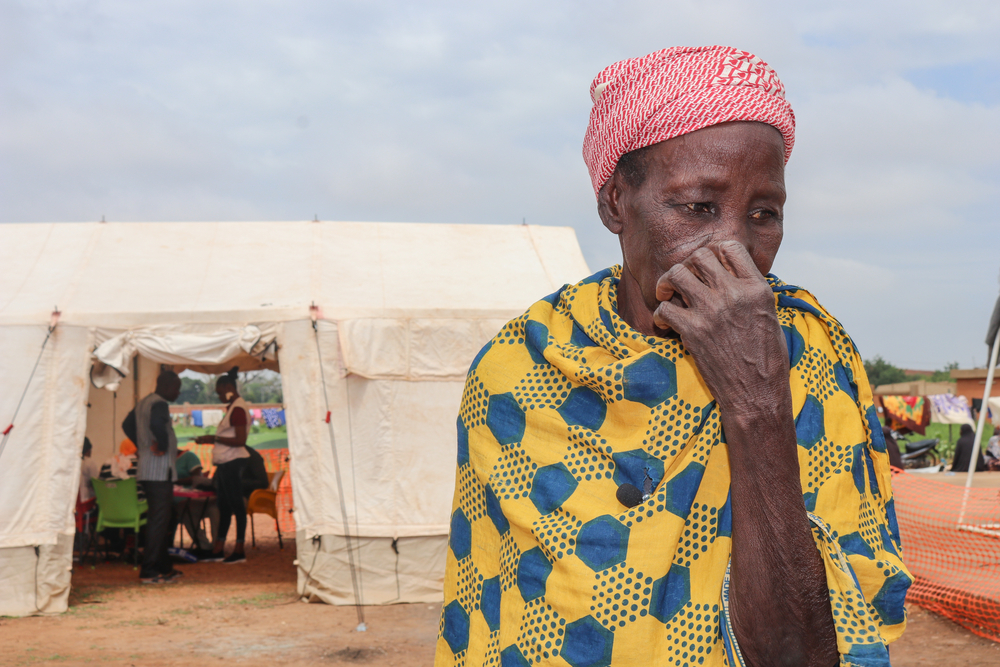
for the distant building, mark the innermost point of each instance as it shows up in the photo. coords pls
(971, 383)
(916, 388)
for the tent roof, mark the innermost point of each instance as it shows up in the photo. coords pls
(127, 274)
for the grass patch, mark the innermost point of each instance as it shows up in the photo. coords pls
(138, 622)
(262, 600)
(946, 450)
(80, 595)
(36, 659)
(266, 438)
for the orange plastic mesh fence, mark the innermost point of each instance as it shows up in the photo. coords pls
(274, 460)
(953, 555)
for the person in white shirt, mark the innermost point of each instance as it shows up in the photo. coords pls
(230, 457)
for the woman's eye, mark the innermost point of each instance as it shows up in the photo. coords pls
(762, 214)
(699, 207)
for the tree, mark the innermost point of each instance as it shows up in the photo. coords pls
(882, 372)
(944, 375)
(261, 387)
(254, 386)
(192, 391)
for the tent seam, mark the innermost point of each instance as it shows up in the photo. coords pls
(29, 272)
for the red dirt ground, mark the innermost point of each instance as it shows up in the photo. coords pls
(248, 614)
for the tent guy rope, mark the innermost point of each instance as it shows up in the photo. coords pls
(358, 605)
(53, 321)
(354, 483)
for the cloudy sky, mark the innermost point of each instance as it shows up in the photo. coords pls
(475, 112)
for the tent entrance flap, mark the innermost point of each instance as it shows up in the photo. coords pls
(204, 348)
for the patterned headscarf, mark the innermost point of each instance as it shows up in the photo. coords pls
(642, 101)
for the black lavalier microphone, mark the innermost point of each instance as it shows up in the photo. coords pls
(628, 495)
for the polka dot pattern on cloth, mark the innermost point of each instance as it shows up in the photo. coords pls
(567, 403)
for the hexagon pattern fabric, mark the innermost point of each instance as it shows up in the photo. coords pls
(567, 402)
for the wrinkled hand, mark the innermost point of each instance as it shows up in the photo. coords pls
(723, 309)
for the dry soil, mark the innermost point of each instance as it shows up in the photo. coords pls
(248, 614)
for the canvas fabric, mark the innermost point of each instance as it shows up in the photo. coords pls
(389, 571)
(392, 426)
(564, 405)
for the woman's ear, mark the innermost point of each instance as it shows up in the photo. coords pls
(609, 204)
(229, 395)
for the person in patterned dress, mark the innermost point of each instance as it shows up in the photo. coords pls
(675, 461)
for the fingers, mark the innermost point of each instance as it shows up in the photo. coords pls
(679, 281)
(712, 265)
(664, 289)
(734, 256)
(704, 263)
(671, 315)
(693, 280)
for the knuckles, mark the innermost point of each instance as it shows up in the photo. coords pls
(700, 256)
(731, 246)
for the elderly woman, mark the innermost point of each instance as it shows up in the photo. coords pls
(676, 460)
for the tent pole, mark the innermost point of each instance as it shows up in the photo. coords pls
(340, 489)
(135, 381)
(976, 448)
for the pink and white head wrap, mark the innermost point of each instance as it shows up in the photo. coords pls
(642, 101)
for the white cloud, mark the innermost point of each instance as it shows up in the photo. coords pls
(459, 112)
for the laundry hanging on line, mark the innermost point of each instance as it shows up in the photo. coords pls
(948, 409)
(911, 412)
(273, 417)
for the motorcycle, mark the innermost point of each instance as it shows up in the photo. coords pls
(917, 454)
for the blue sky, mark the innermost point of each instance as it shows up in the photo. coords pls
(475, 113)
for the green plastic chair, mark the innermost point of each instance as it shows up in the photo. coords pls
(118, 506)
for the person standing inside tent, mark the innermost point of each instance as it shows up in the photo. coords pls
(88, 470)
(230, 458)
(149, 426)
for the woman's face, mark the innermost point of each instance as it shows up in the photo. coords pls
(223, 390)
(724, 182)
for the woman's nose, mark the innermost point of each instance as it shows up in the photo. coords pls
(734, 226)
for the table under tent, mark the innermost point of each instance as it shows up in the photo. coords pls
(371, 325)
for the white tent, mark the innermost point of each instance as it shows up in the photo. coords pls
(400, 311)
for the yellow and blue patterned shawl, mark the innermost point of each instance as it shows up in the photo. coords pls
(566, 403)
